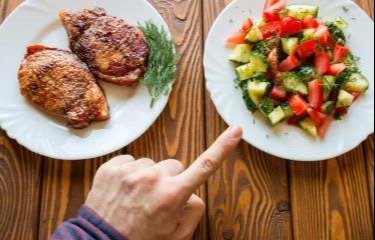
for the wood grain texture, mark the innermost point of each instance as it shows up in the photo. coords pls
(179, 131)
(330, 199)
(249, 197)
(368, 148)
(20, 181)
(65, 187)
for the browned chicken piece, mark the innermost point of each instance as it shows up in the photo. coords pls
(114, 50)
(62, 85)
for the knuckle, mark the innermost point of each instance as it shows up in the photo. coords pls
(207, 164)
(169, 199)
(148, 177)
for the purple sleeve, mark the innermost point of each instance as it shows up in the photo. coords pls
(86, 226)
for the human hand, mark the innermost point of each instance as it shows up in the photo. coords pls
(145, 200)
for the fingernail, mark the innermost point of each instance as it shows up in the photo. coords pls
(235, 132)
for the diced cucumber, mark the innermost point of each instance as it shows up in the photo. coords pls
(308, 34)
(241, 53)
(328, 107)
(300, 12)
(294, 83)
(345, 99)
(252, 107)
(259, 61)
(340, 23)
(254, 35)
(244, 72)
(287, 110)
(307, 73)
(356, 83)
(289, 45)
(257, 90)
(309, 126)
(277, 116)
(328, 85)
(267, 106)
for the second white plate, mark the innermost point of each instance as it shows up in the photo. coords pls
(286, 141)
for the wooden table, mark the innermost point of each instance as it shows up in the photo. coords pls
(254, 196)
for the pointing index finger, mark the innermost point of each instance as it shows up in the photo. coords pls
(207, 163)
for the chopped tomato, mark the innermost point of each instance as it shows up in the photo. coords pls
(336, 69)
(323, 35)
(321, 62)
(316, 94)
(295, 119)
(291, 26)
(271, 29)
(289, 64)
(324, 126)
(273, 59)
(298, 104)
(271, 16)
(341, 111)
(247, 25)
(310, 22)
(306, 49)
(316, 116)
(239, 36)
(340, 53)
(356, 95)
(274, 5)
(278, 93)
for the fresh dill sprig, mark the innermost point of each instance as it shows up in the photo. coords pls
(162, 62)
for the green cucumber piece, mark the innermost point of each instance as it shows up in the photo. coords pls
(308, 34)
(287, 110)
(356, 83)
(267, 106)
(328, 85)
(300, 12)
(294, 83)
(241, 53)
(328, 107)
(345, 99)
(340, 23)
(254, 35)
(276, 116)
(257, 90)
(258, 63)
(289, 45)
(309, 126)
(307, 73)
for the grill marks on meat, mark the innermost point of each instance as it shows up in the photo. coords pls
(62, 85)
(114, 50)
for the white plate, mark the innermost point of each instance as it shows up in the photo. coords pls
(36, 21)
(286, 141)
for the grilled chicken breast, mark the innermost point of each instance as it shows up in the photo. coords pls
(62, 85)
(114, 50)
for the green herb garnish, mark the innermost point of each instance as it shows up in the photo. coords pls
(162, 62)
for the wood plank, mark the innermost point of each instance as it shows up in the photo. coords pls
(249, 197)
(179, 131)
(330, 199)
(65, 187)
(368, 148)
(20, 178)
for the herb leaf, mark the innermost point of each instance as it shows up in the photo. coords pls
(162, 62)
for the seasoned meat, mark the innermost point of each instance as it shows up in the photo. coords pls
(62, 85)
(114, 50)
